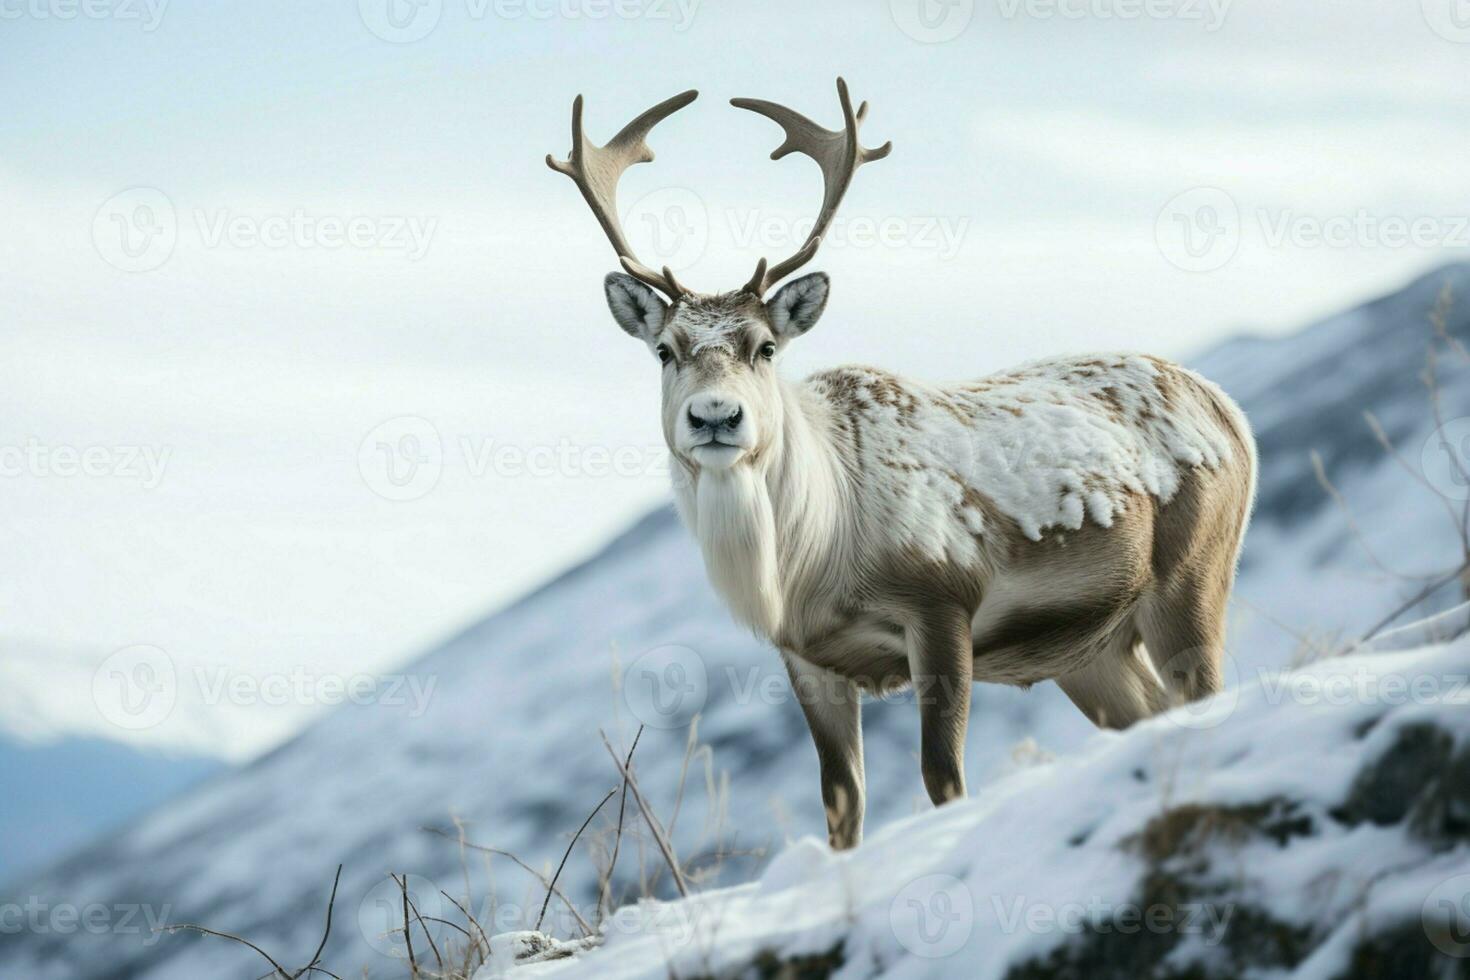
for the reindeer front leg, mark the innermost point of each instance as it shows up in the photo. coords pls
(940, 661)
(833, 708)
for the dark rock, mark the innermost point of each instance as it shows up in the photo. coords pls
(1403, 953)
(1388, 787)
(1442, 817)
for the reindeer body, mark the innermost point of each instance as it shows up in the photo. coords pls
(1075, 519)
(1037, 490)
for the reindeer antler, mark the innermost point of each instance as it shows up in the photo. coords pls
(839, 154)
(596, 170)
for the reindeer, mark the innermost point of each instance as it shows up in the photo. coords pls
(1076, 519)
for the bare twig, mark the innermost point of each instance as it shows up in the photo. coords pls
(649, 818)
(414, 906)
(413, 966)
(567, 854)
(605, 898)
(278, 969)
(470, 919)
(545, 882)
(190, 927)
(445, 922)
(1417, 598)
(433, 946)
(326, 932)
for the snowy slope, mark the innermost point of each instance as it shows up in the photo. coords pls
(1316, 822)
(509, 739)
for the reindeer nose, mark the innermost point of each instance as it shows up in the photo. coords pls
(714, 413)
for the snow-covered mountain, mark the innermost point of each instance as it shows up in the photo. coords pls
(64, 793)
(66, 774)
(508, 742)
(1307, 575)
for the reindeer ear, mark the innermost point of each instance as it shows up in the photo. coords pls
(797, 305)
(638, 309)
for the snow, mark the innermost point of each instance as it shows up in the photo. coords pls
(989, 883)
(1048, 443)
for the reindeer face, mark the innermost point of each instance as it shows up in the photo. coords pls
(721, 397)
(722, 402)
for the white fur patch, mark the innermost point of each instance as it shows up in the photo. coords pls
(710, 330)
(1050, 444)
(736, 528)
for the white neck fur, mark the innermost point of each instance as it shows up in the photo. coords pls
(764, 524)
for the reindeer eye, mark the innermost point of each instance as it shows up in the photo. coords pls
(664, 354)
(768, 350)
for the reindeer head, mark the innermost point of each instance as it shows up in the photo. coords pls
(721, 400)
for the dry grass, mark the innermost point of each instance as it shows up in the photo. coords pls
(429, 955)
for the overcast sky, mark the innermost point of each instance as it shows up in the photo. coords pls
(260, 257)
